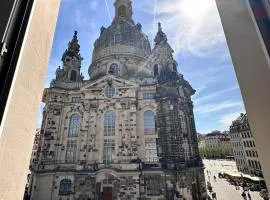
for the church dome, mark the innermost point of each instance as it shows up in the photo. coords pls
(122, 37)
(122, 49)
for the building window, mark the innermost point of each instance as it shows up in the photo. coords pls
(109, 137)
(114, 69)
(110, 91)
(150, 150)
(76, 99)
(108, 151)
(153, 186)
(155, 70)
(148, 95)
(71, 151)
(122, 11)
(74, 125)
(149, 122)
(65, 187)
(73, 75)
(109, 123)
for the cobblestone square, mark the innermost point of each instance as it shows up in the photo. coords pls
(223, 189)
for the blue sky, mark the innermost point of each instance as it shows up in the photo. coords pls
(194, 31)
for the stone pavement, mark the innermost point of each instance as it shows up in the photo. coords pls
(223, 189)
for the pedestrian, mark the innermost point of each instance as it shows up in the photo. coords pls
(214, 196)
(249, 196)
(244, 195)
(215, 178)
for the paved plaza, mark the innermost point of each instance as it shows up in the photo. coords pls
(223, 189)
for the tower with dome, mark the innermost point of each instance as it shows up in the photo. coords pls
(126, 133)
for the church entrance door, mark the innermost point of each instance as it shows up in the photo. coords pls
(107, 193)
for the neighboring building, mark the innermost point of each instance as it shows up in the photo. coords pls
(244, 148)
(129, 131)
(217, 145)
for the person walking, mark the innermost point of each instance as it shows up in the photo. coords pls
(215, 178)
(249, 196)
(244, 195)
(214, 196)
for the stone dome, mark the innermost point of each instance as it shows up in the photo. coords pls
(122, 37)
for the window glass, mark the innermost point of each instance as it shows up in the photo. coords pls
(109, 124)
(76, 99)
(148, 95)
(150, 150)
(153, 186)
(108, 151)
(114, 67)
(109, 137)
(110, 91)
(74, 125)
(65, 187)
(149, 122)
(71, 151)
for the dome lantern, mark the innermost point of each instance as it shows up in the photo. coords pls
(123, 10)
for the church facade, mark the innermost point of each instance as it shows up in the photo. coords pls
(126, 133)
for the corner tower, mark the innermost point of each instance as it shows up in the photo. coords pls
(70, 72)
(177, 137)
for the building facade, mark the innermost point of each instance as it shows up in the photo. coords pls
(129, 131)
(244, 148)
(217, 145)
(36, 151)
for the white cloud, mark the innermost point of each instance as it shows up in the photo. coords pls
(215, 94)
(208, 108)
(192, 26)
(228, 118)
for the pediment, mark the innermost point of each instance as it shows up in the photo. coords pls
(109, 79)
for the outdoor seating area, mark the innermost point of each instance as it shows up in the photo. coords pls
(247, 182)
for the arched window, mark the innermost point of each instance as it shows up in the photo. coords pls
(73, 75)
(149, 122)
(174, 67)
(122, 11)
(65, 187)
(74, 125)
(155, 70)
(109, 137)
(113, 69)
